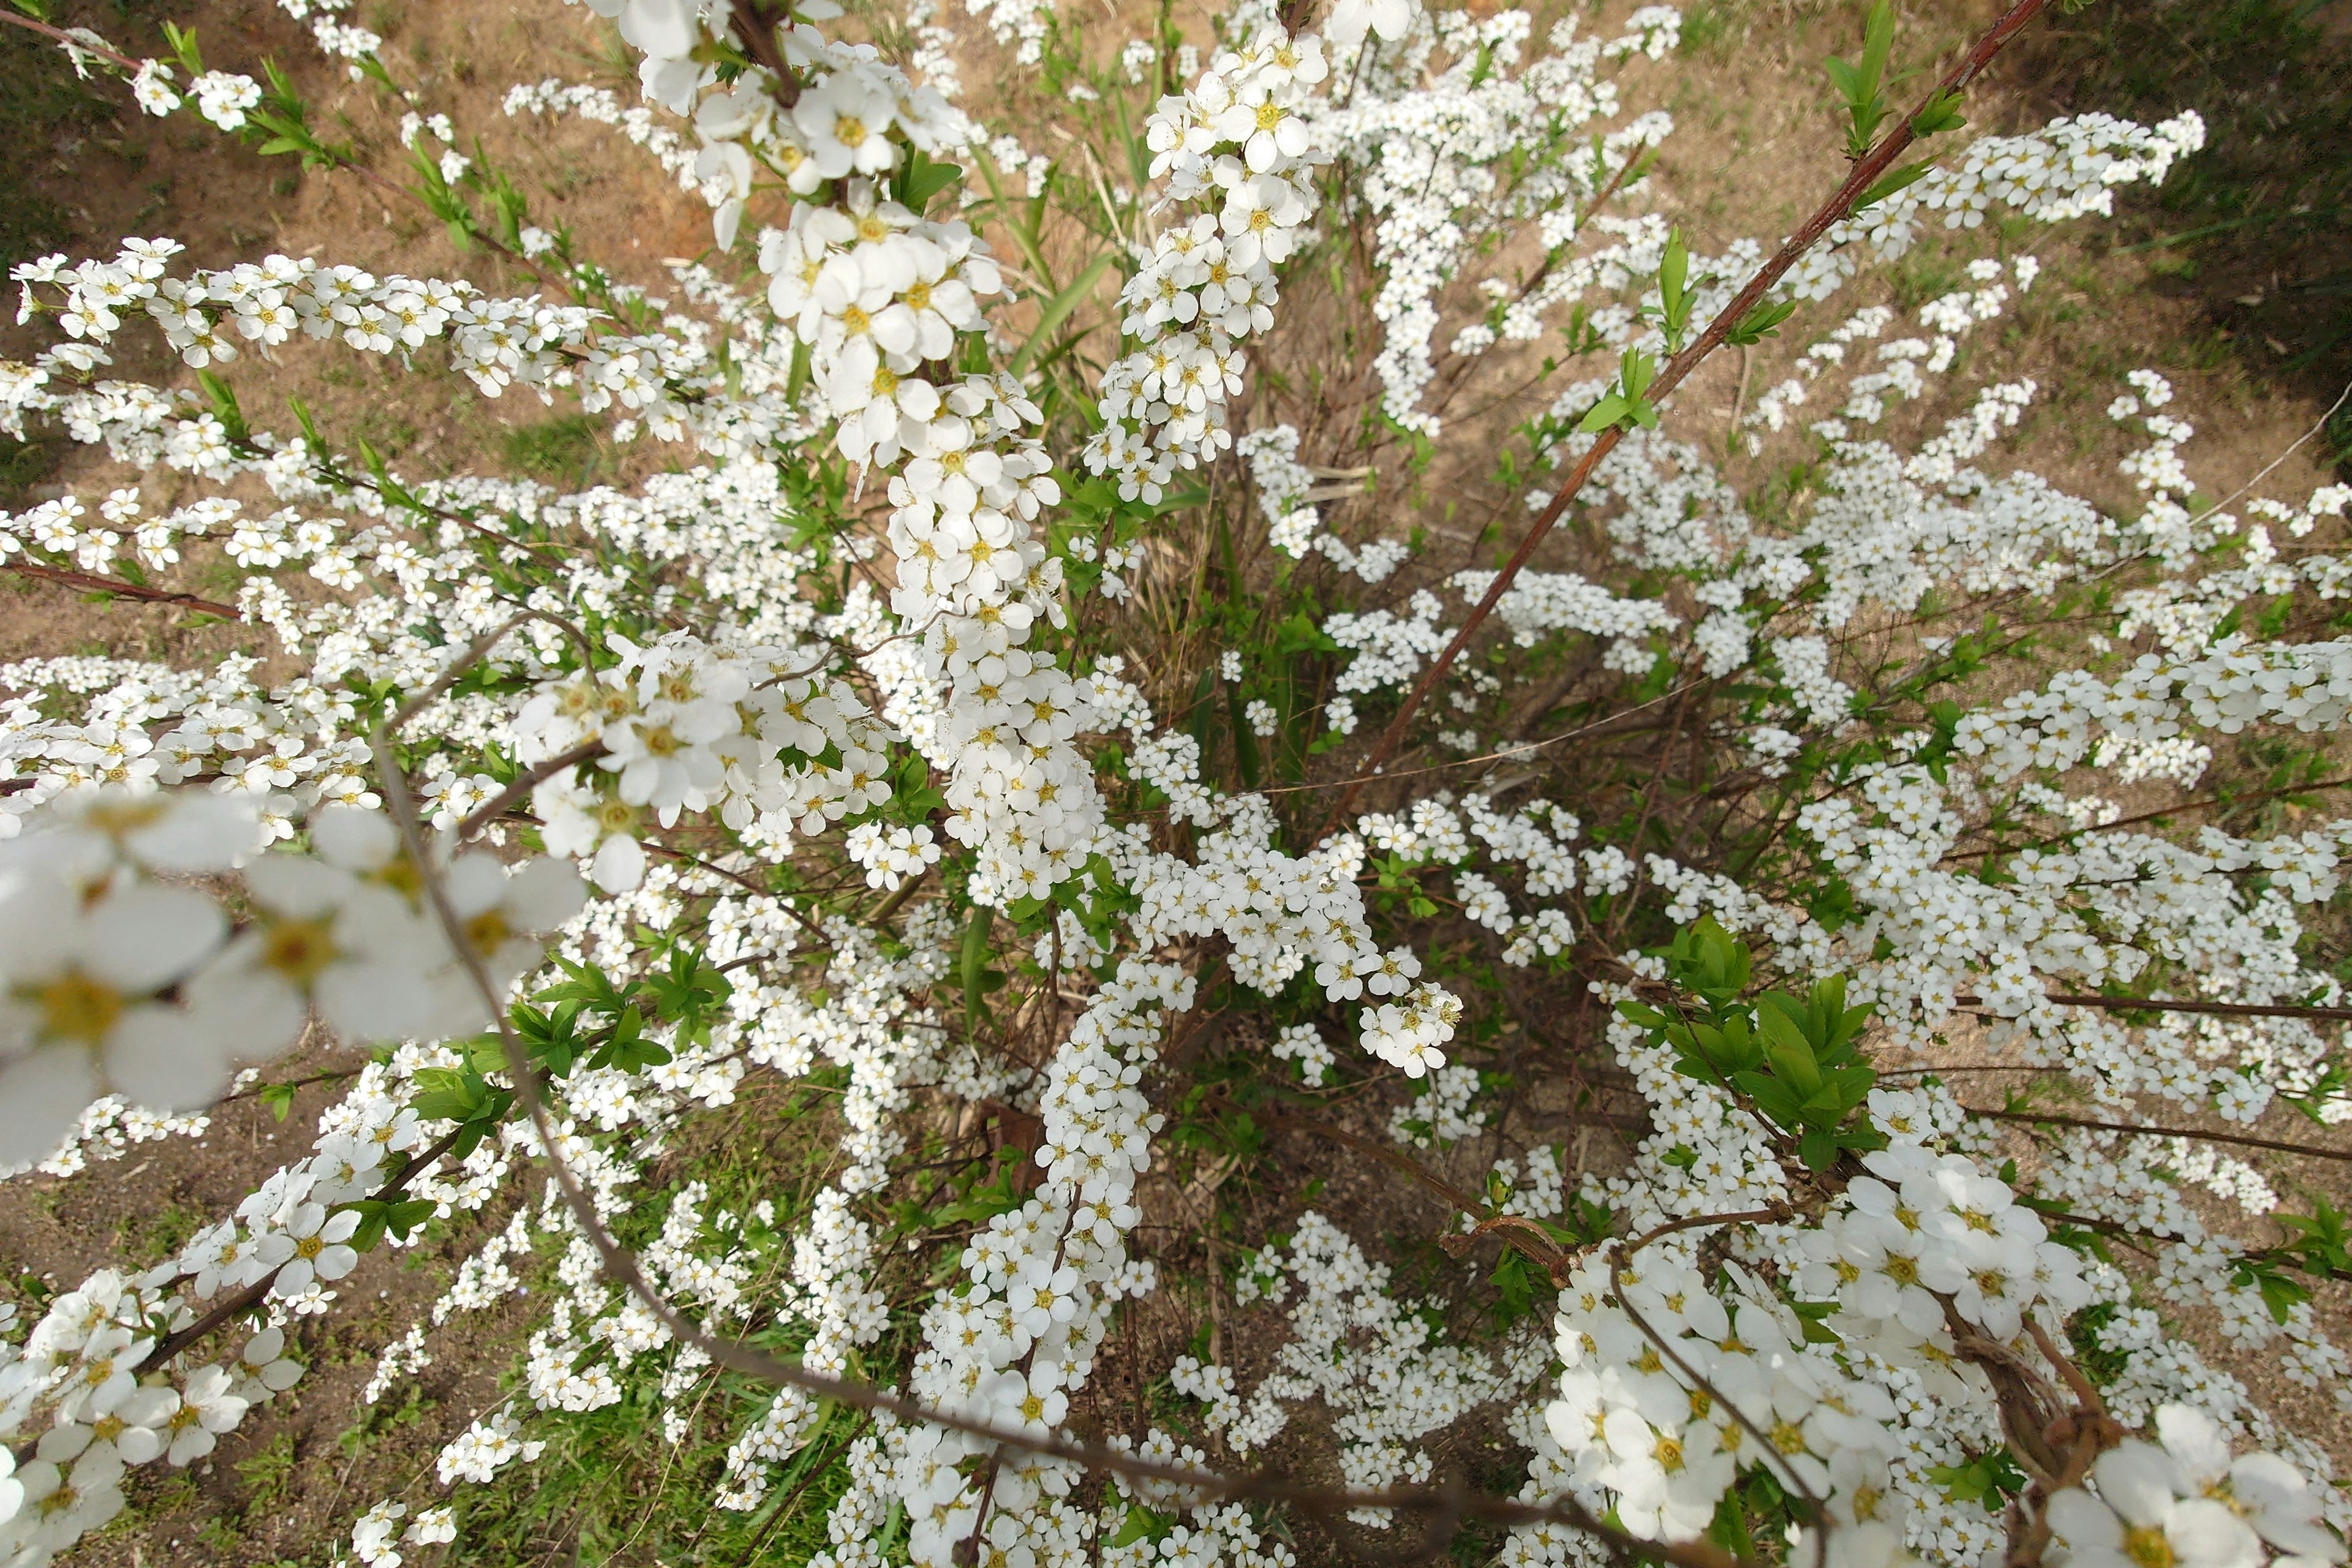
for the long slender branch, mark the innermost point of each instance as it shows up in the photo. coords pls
(1692, 1222)
(2226, 802)
(78, 46)
(253, 1295)
(530, 779)
(2160, 1004)
(122, 586)
(1864, 174)
(2043, 1117)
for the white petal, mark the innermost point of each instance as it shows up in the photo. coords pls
(40, 1096)
(202, 832)
(296, 884)
(165, 1059)
(620, 865)
(2139, 1482)
(145, 937)
(2195, 1442)
(353, 839)
(544, 894)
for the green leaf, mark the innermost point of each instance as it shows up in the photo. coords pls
(972, 963)
(278, 1097)
(1938, 114)
(1860, 82)
(1058, 309)
(448, 1094)
(1673, 273)
(224, 405)
(1990, 1479)
(1610, 410)
(2280, 1294)
(1763, 321)
(1139, 1524)
(1894, 180)
(923, 178)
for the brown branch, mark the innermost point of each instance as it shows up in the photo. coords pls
(1750, 1217)
(2227, 802)
(1864, 174)
(253, 1295)
(898, 896)
(2240, 1139)
(760, 43)
(2160, 1004)
(491, 810)
(91, 582)
(69, 41)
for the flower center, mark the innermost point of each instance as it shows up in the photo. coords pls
(299, 950)
(487, 932)
(76, 1008)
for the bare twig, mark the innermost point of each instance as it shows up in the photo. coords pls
(530, 778)
(2243, 1142)
(122, 587)
(2226, 802)
(2162, 1005)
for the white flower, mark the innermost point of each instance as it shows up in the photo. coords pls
(310, 1247)
(264, 1368)
(341, 933)
(1350, 19)
(80, 1009)
(504, 911)
(61, 1506)
(207, 1409)
(846, 127)
(664, 755)
(373, 1536)
(2146, 1513)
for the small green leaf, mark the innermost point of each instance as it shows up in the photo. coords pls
(1938, 114)
(1057, 309)
(1763, 321)
(922, 179)
(1894, 180)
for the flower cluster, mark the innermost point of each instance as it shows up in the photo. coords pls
(1239, 138)
(120, 981)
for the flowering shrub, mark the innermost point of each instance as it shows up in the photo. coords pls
(970, 729)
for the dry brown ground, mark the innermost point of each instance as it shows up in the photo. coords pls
(1750, 156)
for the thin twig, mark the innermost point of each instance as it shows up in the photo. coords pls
(123, 587)
(530, 779)
(2227, 802)
(2241, 1141)
(2159, 1005)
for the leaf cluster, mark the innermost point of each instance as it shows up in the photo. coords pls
(1793, 1058)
